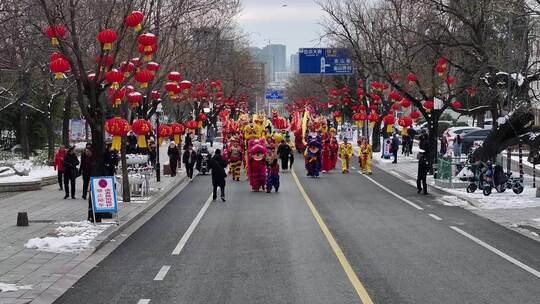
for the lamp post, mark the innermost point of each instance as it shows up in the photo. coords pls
(159, 111)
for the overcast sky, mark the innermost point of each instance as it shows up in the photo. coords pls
(295, 25)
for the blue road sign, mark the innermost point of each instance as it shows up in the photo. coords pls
(325, 61)
(274, 94)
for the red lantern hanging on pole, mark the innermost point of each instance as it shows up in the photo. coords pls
(141, 128)
(143, 77)
(177, 131)
(415, 115)
(164, 131)
(411, 78)
(107, 37)
(114, 78)
(389, 120)
(117, 127)
(191, 124)
(174, 77)
(201, 118)
(373, 119)
(135, 99)
(153, 67)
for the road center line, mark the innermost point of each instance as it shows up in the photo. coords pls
(143, 301)
(392, 192)
(162, 273)
(503, 255)
(435, 217)
(191, 228)
(353, 278)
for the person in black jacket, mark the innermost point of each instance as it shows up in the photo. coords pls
(70, 163)
(86, 168)
(110, 161)
(423, 164)
(217, 164)
(284, 151)
(189, 159)
(174, 157)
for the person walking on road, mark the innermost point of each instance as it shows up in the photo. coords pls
(70, 163)
(394, 147)
(423, 163)
(346, 153)
(189, 158)
(217, 164)
(86, 168)
(174, 158)
(291, 146)
(284, 152)
(58, 158)
(235, 159)
(365, 157)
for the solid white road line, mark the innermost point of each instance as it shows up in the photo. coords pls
(162, 273)
(143, 301)
(391, 192)
(435, 217)
(503, 255)
(191, 228)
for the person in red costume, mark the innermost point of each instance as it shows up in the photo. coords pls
(257, 164)
(334, 147)
(326, 157)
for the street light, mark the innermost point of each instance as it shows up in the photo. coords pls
(159, 111)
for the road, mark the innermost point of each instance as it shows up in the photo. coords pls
(383, 244)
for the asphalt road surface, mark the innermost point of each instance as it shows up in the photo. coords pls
(383, 244)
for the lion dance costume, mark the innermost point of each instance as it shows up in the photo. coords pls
(235, 159)
(346, 153)
(365, 157)
(313, 156)
(257, 164)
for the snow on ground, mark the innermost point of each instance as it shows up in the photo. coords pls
(450, 200)
(6, 287)
(70, 237)
(506, 200)
(36, 173)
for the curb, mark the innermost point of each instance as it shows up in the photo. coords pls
(115, 230)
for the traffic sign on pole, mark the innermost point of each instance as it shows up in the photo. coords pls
(325, 61)
(274, 94)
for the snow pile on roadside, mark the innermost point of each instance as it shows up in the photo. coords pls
(450, 200)
(6, 287)
(71, 237)
(506, 200)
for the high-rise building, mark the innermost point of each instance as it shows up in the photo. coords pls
(274, 56)
(295, 63)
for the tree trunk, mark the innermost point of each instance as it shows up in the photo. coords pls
(433, 136)
(98, 147)
(25, 85)
(481, 120)
(66, 116)
(126, 194)
(376, 137)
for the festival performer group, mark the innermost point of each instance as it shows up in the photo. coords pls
(259, 144)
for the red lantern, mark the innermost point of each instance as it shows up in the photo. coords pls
(59, 67)
(411, 78)
(155, 95)
(164, 131)
(114, 78)
(54, 32)
(377, 86)
(147, 40)
(135, 98)
(471, 91)
(428, 105)
(117, 96)
(450, 80)
(362, 108)
(440, 70)
(201, 118)
(185, 86)
(105, 62)
(191, 124)
(141, 128)
(136, 61)
(346, 100)
(107, 37)
(127, 68)
(374, 107)
(405, 103)
(55, 56)
(415, 115)
(360, 92)
(456, 104)
(360, 82)
(177, 130)
(153, 67)
(389, 120)
(442, 62)
(373, 118)
(376, 98)
(338, 116)
(174, 77)
(147, 51)
(394, 95)
(134, 20)
(396, 107)
(117, 127)
(172, 88)
(143, 77)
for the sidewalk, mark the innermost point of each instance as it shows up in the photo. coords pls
(64, 237)
(519, 212)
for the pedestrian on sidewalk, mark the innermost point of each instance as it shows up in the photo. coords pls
(71, 172)
(457, 146)
(152, 154)
(394, 147)
(110, 161)
(412, 134)
(444, 146)
(189, 158)
(346, 153)
(423, 169)
(284, 151)
(217, 164)
(58, 166)
(174, 158)
(86, 168)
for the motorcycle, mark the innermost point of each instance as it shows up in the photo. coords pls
(202, 159)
